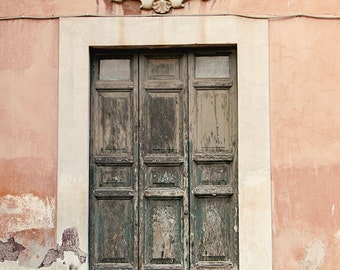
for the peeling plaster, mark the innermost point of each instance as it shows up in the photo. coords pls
(18, 213)
(69, 247)
(60, 265)
(10, 250)
(314, 255)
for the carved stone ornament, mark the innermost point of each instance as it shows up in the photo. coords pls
(159, 6)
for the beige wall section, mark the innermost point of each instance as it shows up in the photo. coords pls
(251, 37)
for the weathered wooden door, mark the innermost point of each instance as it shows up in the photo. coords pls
(163, 163)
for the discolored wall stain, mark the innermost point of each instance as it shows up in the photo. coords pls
(314, 255)
(70, 242)
(27, 173)
(10, 250)
(131, 8)
(18, 213)
(108, 6)
(36, 243)
(30, 219)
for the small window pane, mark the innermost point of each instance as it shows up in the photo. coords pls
(164, 69)
(212, 67)
(115, 69)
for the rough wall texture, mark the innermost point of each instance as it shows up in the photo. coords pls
(28, 138)
(305, 129)
(28, 107)
(305, 125)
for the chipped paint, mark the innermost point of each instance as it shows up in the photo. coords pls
(212, 233)
(163, 227)
(18, 213)
(165, 178)
(314, 255)
(36, 242)
(69, 247)
(30, 220)
(10, 250)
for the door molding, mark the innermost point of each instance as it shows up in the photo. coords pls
(251, 39)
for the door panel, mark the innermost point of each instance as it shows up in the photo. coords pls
(163, 123)
(212, 127)
(163, 161)
(163, 164)
(211, 229)
(164, 235)
(114, 162)
(212, 160)
(114, 175)
(115, 131)
(115, 225)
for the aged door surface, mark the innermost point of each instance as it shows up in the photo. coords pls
(163, 162)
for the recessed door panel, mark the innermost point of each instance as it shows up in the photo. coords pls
(212, 229)
(163, 122)
(213, 174)
(213, 128)
(116, 230)
(161, 68)
(115, 131)
(114, 176)
(165, 231)
(168, 176)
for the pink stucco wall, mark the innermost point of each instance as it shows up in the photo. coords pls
(28, 134)
(305, 132)
(28, 96)
(305, 122)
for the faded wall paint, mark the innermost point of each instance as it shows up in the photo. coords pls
(28, 107)
(28, 138)
(24, 212)
(305, 129)
(304, 89)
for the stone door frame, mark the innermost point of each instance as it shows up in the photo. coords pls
(77, 35)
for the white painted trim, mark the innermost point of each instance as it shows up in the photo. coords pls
(251, 38)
